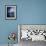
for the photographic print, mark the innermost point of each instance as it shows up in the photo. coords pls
(32, 32)
(10, 11)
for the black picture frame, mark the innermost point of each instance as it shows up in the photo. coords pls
(10, 12)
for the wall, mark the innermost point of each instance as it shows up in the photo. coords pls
(31, 11)
(28, 12)
(6, 26)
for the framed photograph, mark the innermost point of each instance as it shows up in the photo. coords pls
(10, 12)
(33, 32)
